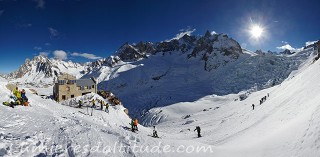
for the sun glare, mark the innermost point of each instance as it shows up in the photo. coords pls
(256, 31)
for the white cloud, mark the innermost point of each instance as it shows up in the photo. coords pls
(289, 47)
(46, 54)
(183, 32)
(85, 55)
(60, 54)
(1, 12)
(53, 33)
(37, 48)
(188, 32)
(284, 42)
(40, 3)
(213, 32)
(47, 44)
(310, 42)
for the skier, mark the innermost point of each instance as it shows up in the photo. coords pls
(135, 124)
(268, 94)
(198, 130)
(16, 91)
(101, 104)
(93, 105)
(23, 95)
(155, 134)
(107, 108)
(80, 103)
(18, 95)
(132, 125)
(24, 99)
(252, 106)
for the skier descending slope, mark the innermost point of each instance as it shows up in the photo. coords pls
(198, 130)
(155, 133)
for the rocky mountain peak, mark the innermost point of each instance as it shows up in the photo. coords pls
(287, 52)
(41, 63)
(204, 46)
(27, 61)
(41, 70)
(188, 39)
(128, 52)
(207, 34)
(40, 58)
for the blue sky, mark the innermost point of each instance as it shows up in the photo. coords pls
(84, 30)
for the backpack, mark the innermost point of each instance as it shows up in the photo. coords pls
(135, 122)
(131, 123)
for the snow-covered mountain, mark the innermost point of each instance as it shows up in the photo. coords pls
(41, 71)
(189, 68)
(147, 75)
(208, 47)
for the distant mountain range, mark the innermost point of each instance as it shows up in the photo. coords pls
(147, 75)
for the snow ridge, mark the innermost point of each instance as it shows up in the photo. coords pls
(41, 71)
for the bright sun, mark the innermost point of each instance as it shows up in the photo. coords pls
(256, 31)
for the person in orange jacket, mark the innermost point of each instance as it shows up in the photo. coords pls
(135, 124)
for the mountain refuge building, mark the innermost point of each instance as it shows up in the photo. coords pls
(67, 86)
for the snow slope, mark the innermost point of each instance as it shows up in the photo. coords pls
(2, 79)
(249, 52)
(106, 72)
(287, 124)
(47, 128)
(162, 80)
(47, 124)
